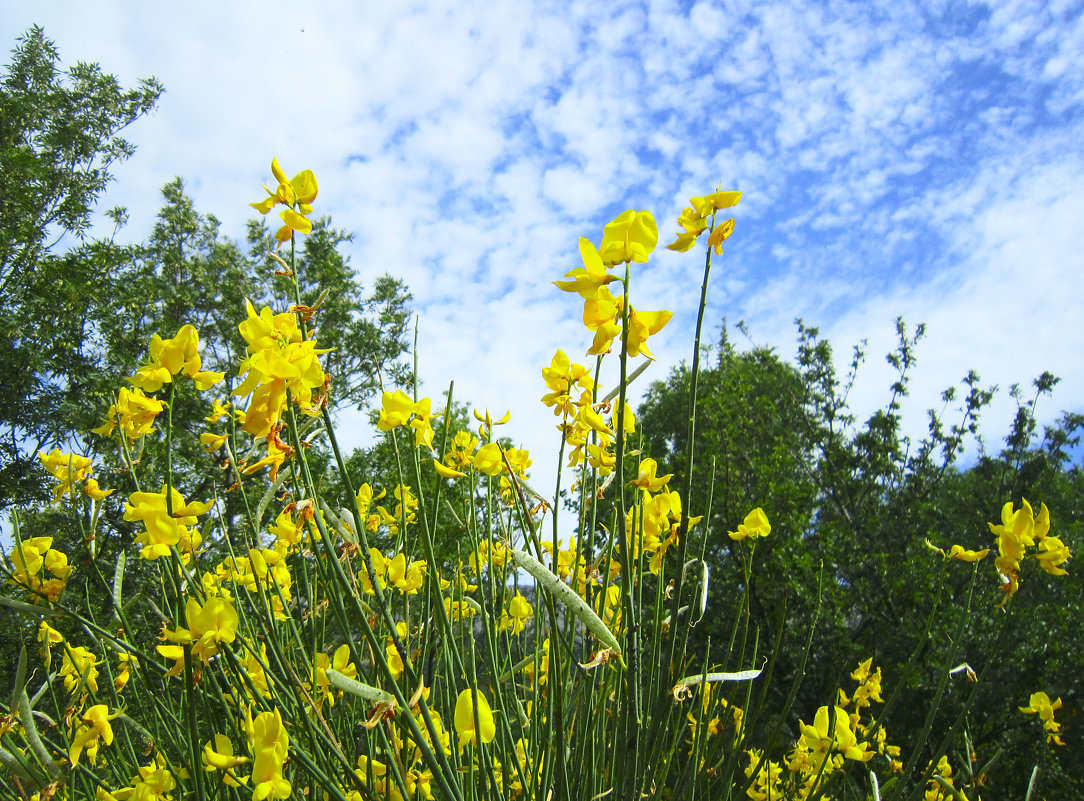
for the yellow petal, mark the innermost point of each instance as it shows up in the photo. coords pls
(264, 206)
(297, 222)
(276, 170)
(304, 184)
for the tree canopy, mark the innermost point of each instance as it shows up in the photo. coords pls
(852, 505)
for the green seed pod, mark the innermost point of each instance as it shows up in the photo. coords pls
(681, 689)
(361, 690)
(566, 595)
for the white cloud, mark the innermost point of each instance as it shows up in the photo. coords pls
(895, 159)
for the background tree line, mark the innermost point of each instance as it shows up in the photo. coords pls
(851, 505)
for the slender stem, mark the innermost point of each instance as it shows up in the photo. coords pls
(632, 713)
(690, 451)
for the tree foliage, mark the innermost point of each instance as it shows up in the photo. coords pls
(851, 506)
(59, 139)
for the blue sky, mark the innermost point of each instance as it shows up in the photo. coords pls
(923, 160)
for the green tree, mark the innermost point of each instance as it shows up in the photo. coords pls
(187, 272)
(59, 139)
(851, 505)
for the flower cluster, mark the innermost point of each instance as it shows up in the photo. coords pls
(700, 217)
(1041, 705)
(264, 573)
(838, 734)
(69, 469)
(134, 412)
(30, 559)
(652, 526)
(297, 195)
(631, 237)
(406, 576)
(404, 512)
(1019, 531)
(282, 365)
(172, 357)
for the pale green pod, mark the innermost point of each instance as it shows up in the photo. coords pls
(566, 595)
(741, 675)
(681, 689)
(353, 687)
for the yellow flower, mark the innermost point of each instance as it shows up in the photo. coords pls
(380, 569)
(212, 442)
(1040, 704)
(720, 234)
(281, 365)
(208, 625)
(646, 478)
(560, 377)
(1019, 530)
(586, 280)
(94, 726)
(396, 409)
(715, 201)
(600, 314)
(515, 617)
(220, 756)
(693, 225)
(423, 427)
(120, 681)
(48, 637)
(631, 236)
(446, 472)
(694, 221)
(299, 191)
(381, 786)
(78, 670)
(488, 459)
(824, 736)
(756, 525)
(136, 414)
(161, 530)
(407, 578)
(292, 221)
(962, 554)
(174, 652)
(277, 453)
(643, 324)
(94, 492)
(461, 455)
(464, 718)
(1052, 554)
(168, 357)
(28, 556)
(269, 744)
(218, 411)
(67, 468)
(340, 662)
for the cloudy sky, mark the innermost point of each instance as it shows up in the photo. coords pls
(923, 160)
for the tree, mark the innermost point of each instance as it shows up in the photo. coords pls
(851, 506)
(59, 139)
(188, 273)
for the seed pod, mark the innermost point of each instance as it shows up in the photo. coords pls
(681, 689)
(566, 595)
(361, 690)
